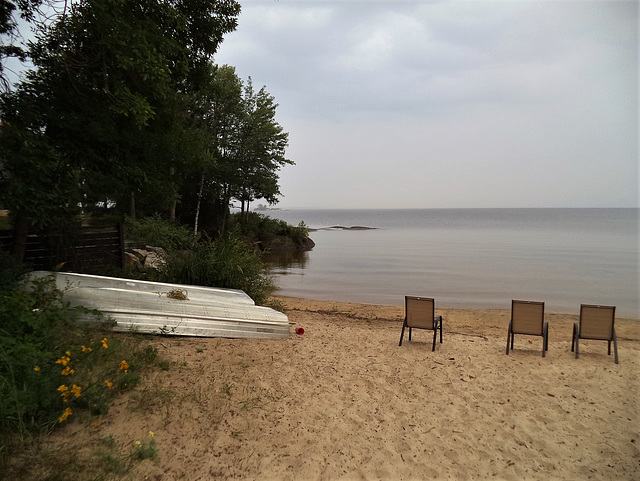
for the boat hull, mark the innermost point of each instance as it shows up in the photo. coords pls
(148, 307)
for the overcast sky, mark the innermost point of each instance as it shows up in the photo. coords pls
(424, 104)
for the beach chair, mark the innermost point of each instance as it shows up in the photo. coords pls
(527, 317)
(419, 313)
(596, 322)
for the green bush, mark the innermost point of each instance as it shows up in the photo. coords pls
(158, 232)
(52, 367)
(259, 228)
(226, 262)
(11, 270)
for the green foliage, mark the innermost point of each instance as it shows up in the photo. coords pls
(226, 262)
(9, 10)
(53, 367)
(36, 183)
(158, 232)
(106, 114)
(145, 450)
(259, 228)
(11, 270)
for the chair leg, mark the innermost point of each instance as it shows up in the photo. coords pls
(440, 319)
(576, 338)
(615, 346)
(404, 323)
(410, 329)
(573, 337)
(545, 339)
(609, 347)
(435, 335)
(509, 334)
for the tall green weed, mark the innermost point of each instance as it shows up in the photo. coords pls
(226, 262)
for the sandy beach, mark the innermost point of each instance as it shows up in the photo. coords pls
(343, 401)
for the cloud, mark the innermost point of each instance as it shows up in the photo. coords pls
(449, 103)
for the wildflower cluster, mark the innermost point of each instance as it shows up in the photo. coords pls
(69, 392)
(67, 412)
(146, 449)
(65, 360)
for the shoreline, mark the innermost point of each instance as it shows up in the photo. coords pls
(554, 313)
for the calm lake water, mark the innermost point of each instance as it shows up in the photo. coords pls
(468, 257)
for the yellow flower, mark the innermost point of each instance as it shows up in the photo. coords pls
(67, 371)
(68, 353)
(104, 343)
(124, 366)
(64, 360)
(36, 369)
(86, 349)
(67, 412)
(109, 384)
(138, 443)
(150, 434)
(97, 423)
(64, 392)
(76, 390)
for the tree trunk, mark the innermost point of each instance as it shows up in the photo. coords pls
(132, 205)
(195, 224)
(20, 233)
(172, 209)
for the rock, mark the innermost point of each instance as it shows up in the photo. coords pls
(154, 261)
(158, 250)
(131, 260)
(283, 243)
(149, 258)
(140, 253)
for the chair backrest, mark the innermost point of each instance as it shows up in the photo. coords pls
(527, 317)
(420, 312)
(596, 322)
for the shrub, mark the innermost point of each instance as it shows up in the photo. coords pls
(226, 262)
(52, 367)
(11, 270)
(158, 232)
(259, 228)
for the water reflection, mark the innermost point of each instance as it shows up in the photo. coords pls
(286, 261)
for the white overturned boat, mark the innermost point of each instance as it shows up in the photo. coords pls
(175, 309)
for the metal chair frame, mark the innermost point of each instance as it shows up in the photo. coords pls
(577, 327)
(436, 320)
(543, 331)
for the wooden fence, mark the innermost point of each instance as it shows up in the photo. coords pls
(86, 250)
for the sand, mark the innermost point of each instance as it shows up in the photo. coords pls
(344, 401)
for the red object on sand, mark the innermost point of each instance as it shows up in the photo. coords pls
(300, 331)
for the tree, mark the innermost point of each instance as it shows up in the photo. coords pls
(9, 29)
(113, 81)
(246, 144)
(262, 149)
